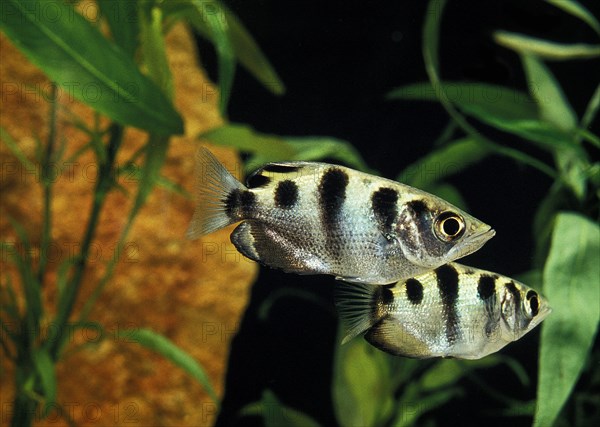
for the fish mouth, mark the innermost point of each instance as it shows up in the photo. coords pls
(474, 242)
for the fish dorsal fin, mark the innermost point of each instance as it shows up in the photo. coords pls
(357, 307)
(280, 171)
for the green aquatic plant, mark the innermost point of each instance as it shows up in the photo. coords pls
(134, 83)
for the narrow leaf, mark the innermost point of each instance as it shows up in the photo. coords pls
(576, 9)
(312, 148)
(591, 110)
(245, 48)
(572, 285)
(552, 51)
(75, 55)
(122, 18)
(494, 100)
(543, 87)
(44, 366)
(211, 14)
(361, 383)
(448, 160)
(162, 345)
(277, 414)
(16, 150)
(31, 288)
(153, 47)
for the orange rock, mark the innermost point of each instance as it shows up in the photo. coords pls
(192, 292)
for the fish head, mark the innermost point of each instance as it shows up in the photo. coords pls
(521, 310)
(434, 232)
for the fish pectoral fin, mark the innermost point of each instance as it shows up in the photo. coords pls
(356, 306)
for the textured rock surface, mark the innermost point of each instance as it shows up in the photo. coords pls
(192, 292)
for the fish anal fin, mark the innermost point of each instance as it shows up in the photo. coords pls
(262, 244)
(389, 335)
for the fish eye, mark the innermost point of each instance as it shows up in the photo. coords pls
(534, 302)
(449, 226)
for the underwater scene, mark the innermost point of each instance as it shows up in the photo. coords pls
(266, 213)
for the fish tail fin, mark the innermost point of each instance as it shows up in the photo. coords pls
(214, 185)
(356, 304)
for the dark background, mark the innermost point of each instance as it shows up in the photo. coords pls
(338, 59)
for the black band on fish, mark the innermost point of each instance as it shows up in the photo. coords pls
(524, 320)
(384, 203)
(286, 194)
(332, 194)
(447, 281)
(486, 289)
(417, 206)
(414, 291)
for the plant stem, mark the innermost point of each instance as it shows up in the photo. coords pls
(47, 181)
(103, 186)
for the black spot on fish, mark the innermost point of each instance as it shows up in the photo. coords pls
(417, 206)
(384, 204)
(248, 203)
(332, 194)
(486, 286)
(387, 296)
(414, 291)
(447, 281)
(286, 194)
(257, 180)
(280, 168)
(240, 204)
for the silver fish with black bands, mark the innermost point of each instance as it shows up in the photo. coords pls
(452, 311)
(318, 218)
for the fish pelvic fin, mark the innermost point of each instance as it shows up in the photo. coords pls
(218, 194)
(357, 305)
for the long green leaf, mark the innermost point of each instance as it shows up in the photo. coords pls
(361, 384)
(162, 345)
(552, 102)
(44, 366)
(246, 50)
(29, 283)
(266, 148)
(443, 162)
(572, 285)
(494, 100)
(246, 139)
(576, 9)
(122, 18)
(76, 56)
(545, 49)
(153, 47)
(277, 414)
(312, 148)
(211, 14)
(13, 146)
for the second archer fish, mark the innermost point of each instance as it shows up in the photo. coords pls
(318, 218)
